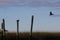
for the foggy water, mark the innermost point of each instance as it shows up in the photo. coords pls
(55, 15)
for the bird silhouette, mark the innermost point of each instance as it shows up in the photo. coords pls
(51, 13)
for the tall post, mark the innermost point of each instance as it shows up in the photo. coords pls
(17, 29)
(31, 27)
(3, 25)
(3, 29)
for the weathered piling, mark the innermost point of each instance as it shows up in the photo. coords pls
(31, 27)
(3, 29)
(17, 29)
(3, 25)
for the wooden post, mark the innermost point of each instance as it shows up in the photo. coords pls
(17, 29)
(3, 29)
(3, 25)
(31, 27)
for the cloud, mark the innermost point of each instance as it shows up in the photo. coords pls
(30, 3)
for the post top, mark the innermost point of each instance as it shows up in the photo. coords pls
(17, 20)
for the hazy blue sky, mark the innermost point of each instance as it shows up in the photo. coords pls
(11, 10)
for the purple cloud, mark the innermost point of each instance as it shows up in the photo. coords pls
(32, 3)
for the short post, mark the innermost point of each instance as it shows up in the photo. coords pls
(17, 29)
(31, 27)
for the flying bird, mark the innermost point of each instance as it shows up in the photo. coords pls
(54, 15)
(51, 13)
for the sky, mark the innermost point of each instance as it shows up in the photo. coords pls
(22, 10)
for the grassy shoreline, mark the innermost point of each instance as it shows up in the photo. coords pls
(35, 35)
